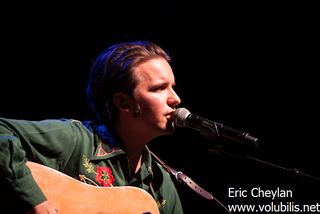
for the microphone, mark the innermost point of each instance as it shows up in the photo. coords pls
(213, 130)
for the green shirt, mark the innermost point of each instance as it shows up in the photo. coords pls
(76, 148)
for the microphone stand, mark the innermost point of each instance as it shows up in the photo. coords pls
(215, 131)
(293, 172)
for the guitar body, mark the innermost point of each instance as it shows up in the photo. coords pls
(69, 195)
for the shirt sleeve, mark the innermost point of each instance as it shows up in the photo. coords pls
(50, 142)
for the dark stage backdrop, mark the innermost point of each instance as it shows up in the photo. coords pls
(247, 64)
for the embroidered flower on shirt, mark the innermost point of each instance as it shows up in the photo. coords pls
(161, 202)
(104, 176)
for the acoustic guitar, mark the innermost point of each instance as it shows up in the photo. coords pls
(71, 196)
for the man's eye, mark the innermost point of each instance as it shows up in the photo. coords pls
(157, 89)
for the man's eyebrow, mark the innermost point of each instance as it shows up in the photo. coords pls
(161, 84)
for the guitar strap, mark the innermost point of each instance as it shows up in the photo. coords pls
(182, 178)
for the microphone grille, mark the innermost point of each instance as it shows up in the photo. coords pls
(180, 116)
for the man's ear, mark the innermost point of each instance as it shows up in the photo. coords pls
(122, 101)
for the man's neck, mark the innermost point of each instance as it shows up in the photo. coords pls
(134, 146)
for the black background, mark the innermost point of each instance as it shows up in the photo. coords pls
(250, 65)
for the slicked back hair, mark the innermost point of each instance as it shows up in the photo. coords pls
(112, 72)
